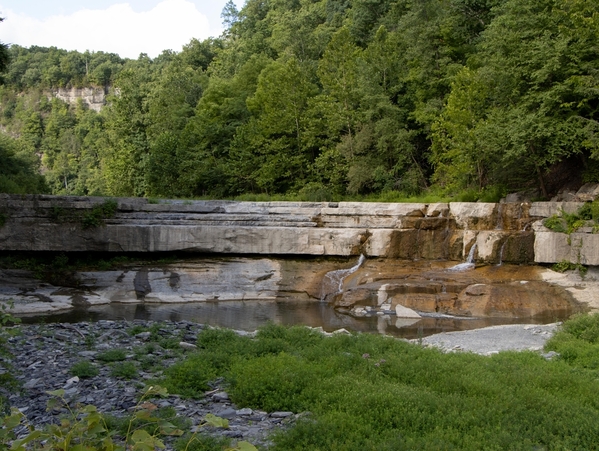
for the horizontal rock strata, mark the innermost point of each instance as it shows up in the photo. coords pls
(502, 233)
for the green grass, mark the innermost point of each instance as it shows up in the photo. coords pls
(368, 392)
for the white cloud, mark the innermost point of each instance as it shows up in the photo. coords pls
(118, 29)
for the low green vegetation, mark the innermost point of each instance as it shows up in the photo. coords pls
(98, 213)
(112, 355)
(367, 392)
(565, 265)
(8, 382)
(124, 370)
(84, 428)
(84, 369)
(586, 216)
(578, 342)
(361, 392)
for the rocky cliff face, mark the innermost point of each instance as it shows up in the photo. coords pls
(414, 254)
(94, 97)
(501, 232)
(489, 233)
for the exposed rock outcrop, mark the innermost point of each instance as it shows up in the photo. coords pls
(408, 231)
(94, 97)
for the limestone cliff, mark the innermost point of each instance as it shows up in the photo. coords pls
(94, 97)
(490, 233)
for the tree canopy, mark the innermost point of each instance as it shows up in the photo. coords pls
(325, 98)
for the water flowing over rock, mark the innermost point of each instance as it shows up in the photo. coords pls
(332, 282)
(255, 234)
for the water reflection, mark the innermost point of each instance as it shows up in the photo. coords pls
(249, 315)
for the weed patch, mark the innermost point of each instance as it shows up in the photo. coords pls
(125, 370)
(84, 369)
(99, 213)
(379, 393)
(112, 355)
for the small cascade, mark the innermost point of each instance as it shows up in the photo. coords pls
(469, 264)
(499, 223)
(501, 253)
(332, 283)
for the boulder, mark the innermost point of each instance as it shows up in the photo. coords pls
(588, 192)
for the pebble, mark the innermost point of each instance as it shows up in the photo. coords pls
(43, 363)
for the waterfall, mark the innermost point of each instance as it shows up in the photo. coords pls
(501, 253)
(469, 264)
(471, 254)
(332, 283)
(499, 223)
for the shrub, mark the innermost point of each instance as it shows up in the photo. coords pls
(84, 369)
(99, 213)
(371, 392)
(112, 355)
(125, 370)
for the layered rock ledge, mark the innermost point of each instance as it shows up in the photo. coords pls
(502, 233)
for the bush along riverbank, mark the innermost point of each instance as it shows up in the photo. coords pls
(298, 389)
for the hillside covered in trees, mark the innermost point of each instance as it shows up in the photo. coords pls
(321, 99)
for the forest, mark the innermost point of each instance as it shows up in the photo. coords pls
(320, 100)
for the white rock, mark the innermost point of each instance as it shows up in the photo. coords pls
(404, 312)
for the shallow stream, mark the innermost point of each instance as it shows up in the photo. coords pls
(249, 315)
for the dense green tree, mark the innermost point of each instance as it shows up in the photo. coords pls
(525, 104)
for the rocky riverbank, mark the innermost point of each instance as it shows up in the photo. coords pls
(46, 355)
(128, 355)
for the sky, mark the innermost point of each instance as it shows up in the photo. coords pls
(126, 27)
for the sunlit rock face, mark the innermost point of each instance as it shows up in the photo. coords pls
(502, 233)
(185, 281)
(505, 291)
(379, 284)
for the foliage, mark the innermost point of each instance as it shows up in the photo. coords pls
(577, 342)
(99, 213)
(321, 100)
(570, 222)
(373, 392)
(125, 370)
(565, 265)
(84, 428)
(84, 369)
(18, 171)
(112, 355)
(8, 382)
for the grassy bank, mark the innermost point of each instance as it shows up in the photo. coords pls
(368, 392)
(358, 392)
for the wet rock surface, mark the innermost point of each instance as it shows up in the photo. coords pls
(505, 291)
(45, 353)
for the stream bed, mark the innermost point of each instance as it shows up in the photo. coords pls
(249, 315)
(245, 293)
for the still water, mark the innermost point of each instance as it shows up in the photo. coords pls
(249, 315)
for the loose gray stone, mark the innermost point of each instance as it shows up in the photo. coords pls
(185, 345)
(227, 413)
(220, 396)
(281, 414)
(31, 384)
(43, 364)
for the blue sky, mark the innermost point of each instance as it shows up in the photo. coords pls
(126, 27)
